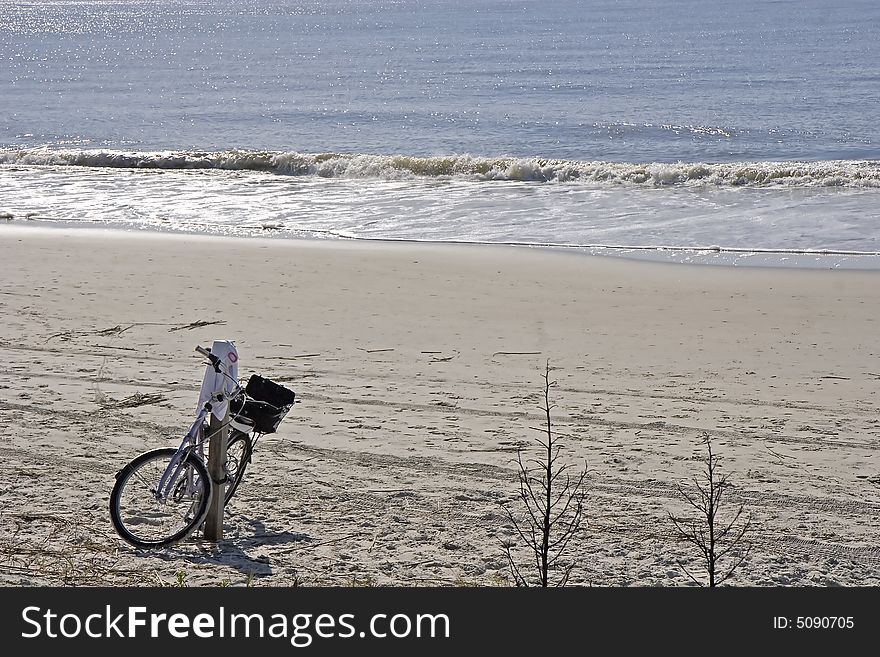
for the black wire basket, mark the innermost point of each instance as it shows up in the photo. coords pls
(264, 404)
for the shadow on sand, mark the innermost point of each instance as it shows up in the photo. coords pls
(248, 534)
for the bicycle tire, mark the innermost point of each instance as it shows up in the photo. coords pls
(238, 455)
(145, 522)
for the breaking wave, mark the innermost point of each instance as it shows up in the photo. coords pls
(829, 173)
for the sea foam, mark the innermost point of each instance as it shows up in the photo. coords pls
(829, 173)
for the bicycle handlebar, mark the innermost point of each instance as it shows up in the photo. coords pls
(215, 361)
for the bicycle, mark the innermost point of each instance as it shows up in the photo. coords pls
(163, 495)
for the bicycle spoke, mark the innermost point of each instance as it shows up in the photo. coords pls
(144, 519)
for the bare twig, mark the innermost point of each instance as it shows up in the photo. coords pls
(553, 507)
(713, 538)
(197, 324)
(780, 458)
(132, 401)
(119, 329)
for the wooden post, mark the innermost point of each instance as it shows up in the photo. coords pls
(218, 431)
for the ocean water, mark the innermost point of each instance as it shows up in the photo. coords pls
(732, 133)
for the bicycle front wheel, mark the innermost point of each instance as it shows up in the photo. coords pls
(148, 520)
(238, 455)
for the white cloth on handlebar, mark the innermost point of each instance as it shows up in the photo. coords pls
(216, 382)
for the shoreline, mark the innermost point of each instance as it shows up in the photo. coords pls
(418, 373)
(726, 257)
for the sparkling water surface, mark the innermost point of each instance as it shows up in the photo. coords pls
(701, 125)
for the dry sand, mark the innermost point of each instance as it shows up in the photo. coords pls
(419, 374)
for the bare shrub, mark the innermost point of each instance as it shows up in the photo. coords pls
(553, 507)
(713, 538)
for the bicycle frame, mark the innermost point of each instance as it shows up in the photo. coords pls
(192, 442)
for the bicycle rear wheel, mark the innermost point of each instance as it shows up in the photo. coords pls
(238, 455)
(147, 522)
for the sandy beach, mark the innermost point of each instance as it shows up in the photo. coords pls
(418, 370)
